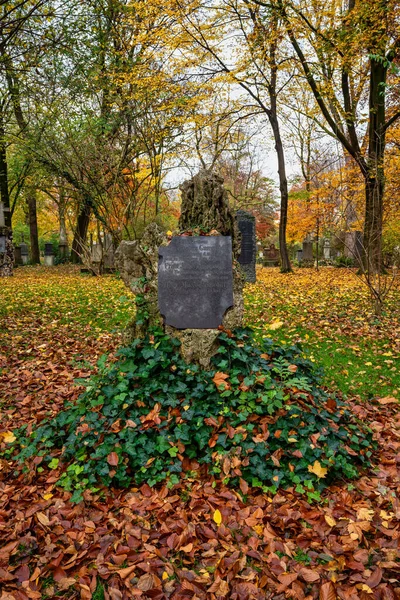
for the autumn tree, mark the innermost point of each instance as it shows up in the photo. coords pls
(347, 55)
(17, 19)
(236, 43)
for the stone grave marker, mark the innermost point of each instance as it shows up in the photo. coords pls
(195, 286)
(327, 250)
(17, 256)
(271, 257)
(189, 285)
(247, 257)
(24, 253)
(48, 255)
(307, 252)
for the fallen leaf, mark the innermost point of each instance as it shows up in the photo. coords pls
(8, 437)
(330, 520)
(113, 459)
(327, 591)
(42, 518)
(388, 400)
(318, 469)
(217, 517)
(275, 325)
(219, 379)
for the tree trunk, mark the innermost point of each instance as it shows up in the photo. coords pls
(286, 267)
(61, 216)
(374, 178)
(33, 227)
(82, 225)
(7, 258)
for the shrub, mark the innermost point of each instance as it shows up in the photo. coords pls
(344, 261)
(259, 415)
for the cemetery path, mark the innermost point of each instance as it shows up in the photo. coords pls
(192, 541)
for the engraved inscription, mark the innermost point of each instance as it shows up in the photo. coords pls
(195, 281)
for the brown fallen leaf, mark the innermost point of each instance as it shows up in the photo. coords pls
(327, 591)
(388, 400)
(148, 582)
(309, 575)
(43, 519)
(66, 582)
(124, 573)
(113, 459)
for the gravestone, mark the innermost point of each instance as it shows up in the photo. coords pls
(195, 286)
(6, 244)
(48, 255)
(307, 252)
(247, 257)
(63, 250)
(327, 250)
(271, 258)
(102, 254)
(17, 256)
(190, 285)
(24, 253)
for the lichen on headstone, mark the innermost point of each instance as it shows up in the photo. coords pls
(205, 211)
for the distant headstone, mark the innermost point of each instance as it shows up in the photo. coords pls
(195, 281)
(96, 253)
(103, 254)
(299, 255)
(24, 253)
(327, 250)
(17, 256)
(271, 258)
(48, 255)
(247, 257)
(307, 252)
(63, 250)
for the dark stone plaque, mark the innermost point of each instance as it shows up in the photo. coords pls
(247, 257)
(195, 283)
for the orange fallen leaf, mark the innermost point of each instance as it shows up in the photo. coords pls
(219, 379)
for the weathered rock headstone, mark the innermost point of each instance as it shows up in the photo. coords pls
(247, 257)
(205, 214)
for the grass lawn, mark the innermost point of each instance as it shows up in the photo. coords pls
(329, 312)
(199, 539)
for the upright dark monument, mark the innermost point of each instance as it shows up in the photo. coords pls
(190, 285)
(247, 257)
(195, 285)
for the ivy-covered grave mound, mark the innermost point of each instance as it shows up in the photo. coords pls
(259, 416)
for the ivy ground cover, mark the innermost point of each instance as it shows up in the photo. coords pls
(198, 539)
